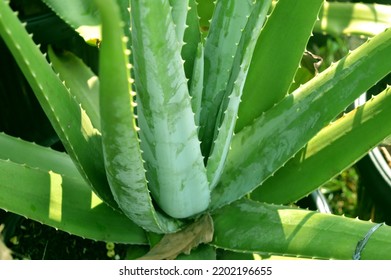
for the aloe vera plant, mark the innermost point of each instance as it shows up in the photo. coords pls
(191, 128)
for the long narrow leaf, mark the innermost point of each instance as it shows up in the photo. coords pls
(197, 82)
(192, 38)
(281, 132)
(179, 17)
(23, 152)
(229, 108)
(248, 226)
(330, 152)
(81, 140)
(123, 159)
(277, 57)
(63, 202)
(220, 49)
(81, 81)
(175, 168)
(82, 16)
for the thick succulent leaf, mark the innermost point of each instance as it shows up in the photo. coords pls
(82, 16)
(179, 17)
(353, 19)
(229, 108)
(175, 168)
(192, 38)
(248, 226)
(71, 123)
(23, 152)
(197, 83)
(282, 131)
(66, 203)
(228, 20)
(124, 7)
(121, 146)
(330, 152)
(277, 57)
(83, 84)
(185, 18)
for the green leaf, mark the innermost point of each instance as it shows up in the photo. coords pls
(353, 19)
(121, 147)
(63, 202)
(185, 19)
(228, 20)
(179, 17)
(82, 16)
(330, 152)
(71, 123)
(175, 168)
(25, 164)
(197, 83)
(228, 112)
(276, 57)
(192, 38)
(282, 131)
(248, 226)
(23, 152)
(83, 84)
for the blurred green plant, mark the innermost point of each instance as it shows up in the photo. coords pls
(190, 130)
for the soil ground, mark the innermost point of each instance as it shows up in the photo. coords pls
(28, 239)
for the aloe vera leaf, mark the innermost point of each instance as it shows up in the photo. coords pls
(82, 16)
(179, 9)
(33, 155)
(81, 81)
(124, 6)
(330, 152)
(175, 168)
(229, 109)
(73, 126)
(353, 19)
(121, 147)
(276, 57)
(66, 203)
(197, 84)
(282, 131)
(192, 38)
(228, 20)
(249, 226)
(185, 18)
